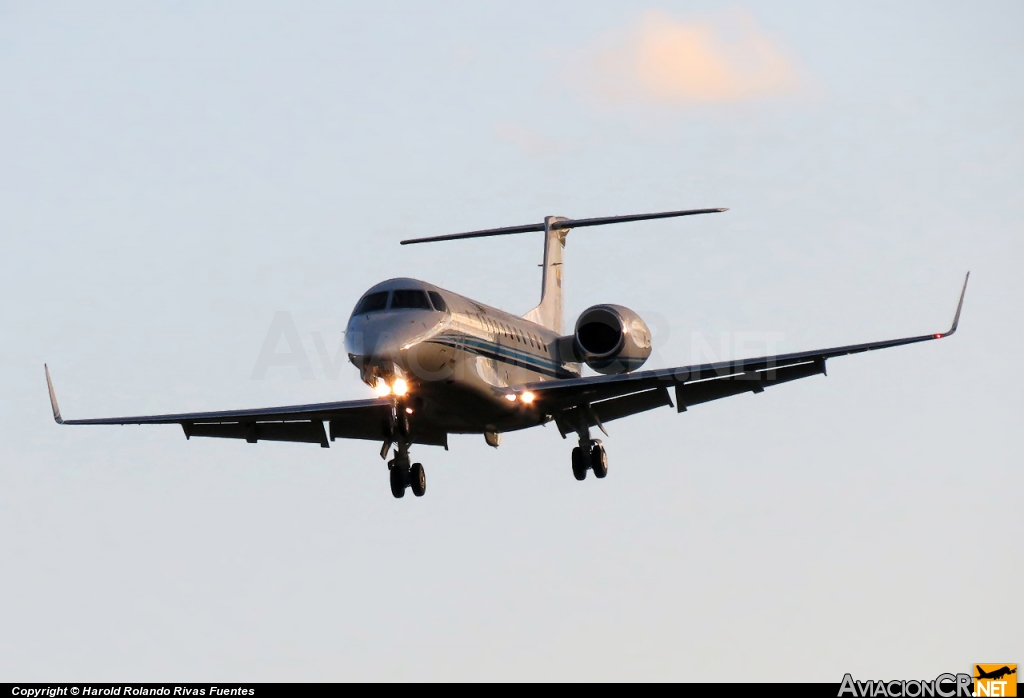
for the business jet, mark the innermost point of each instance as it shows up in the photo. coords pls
(443, 364)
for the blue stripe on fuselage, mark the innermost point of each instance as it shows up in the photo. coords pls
(506, 354)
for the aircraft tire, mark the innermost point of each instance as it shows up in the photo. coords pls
(419, 480)
(598, 460)
(397, 482)
(579, 464)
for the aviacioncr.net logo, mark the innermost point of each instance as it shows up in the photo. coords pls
(943, 686)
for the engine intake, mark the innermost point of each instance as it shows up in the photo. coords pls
(611, 339)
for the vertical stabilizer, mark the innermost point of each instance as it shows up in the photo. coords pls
(549, 312)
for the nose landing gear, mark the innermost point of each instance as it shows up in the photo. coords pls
(403, 475)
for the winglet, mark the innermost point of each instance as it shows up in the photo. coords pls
(53, 397)
(959, 306)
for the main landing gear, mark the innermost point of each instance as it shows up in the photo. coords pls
(404, 475)
(589, 455)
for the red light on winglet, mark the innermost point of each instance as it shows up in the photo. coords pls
(938, 336)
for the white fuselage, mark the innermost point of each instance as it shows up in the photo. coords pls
(458, 361)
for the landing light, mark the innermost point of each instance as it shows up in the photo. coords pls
(511, 397)
(400, 387)
(381, 389)
(408, 410)
(528, 397)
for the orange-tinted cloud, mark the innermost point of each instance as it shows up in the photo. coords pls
(724, 59)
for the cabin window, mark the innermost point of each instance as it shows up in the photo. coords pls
(411, 298)
(532, 344)
(372, 302)
(438, 302)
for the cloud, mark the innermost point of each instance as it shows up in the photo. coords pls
(718, 60)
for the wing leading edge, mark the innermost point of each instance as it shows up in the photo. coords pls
(597, 399)
(354, 419)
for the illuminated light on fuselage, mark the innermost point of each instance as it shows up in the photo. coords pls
(399, 387)
(511, 397)
(408, 410)
(527, 397)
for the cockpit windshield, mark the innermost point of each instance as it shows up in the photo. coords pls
(411, 298)
(438, 302)
(372, 302)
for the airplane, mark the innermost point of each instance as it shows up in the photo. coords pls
(441, 364)
(994, 674)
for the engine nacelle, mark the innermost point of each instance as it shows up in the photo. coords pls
(611, 339)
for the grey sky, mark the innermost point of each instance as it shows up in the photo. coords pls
(172, 175)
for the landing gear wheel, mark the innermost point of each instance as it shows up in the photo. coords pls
(579, 463)
(397, 481)
(419, 480)
(598, 460)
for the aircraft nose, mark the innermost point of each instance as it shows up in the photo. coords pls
(379, 339)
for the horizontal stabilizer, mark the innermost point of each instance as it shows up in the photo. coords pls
(564, 224)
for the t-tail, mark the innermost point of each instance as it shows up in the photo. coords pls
(549, 313)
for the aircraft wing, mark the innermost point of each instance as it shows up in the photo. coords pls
(353, 419)
(598, 399)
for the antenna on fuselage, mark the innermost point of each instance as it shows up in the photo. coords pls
(563, 224)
